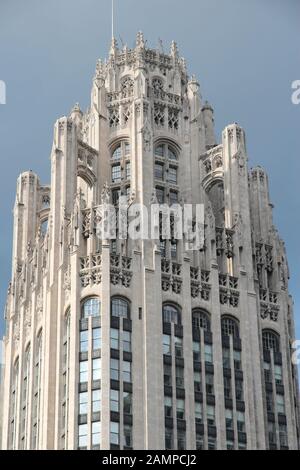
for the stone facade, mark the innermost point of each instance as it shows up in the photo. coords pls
(139, 343)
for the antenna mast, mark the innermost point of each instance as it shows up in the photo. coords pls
(112, 19)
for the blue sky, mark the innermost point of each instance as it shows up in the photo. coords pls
(244, 53)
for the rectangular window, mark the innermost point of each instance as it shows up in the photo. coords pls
(179, 377)
(173, 197)
(168, 407)
(280, 404)
(199, 442)
(197, 381)
(114, 338)
(127, 371)
(267, 372)
(198, 412)
(114, 369)
(181, 440)
(114, 433)
(127, 341)
(83, 371)
(159, 171)
(116, 173)
(97, 369)
(272, 433)
(96, 401)
(84, 341)
(128, 170)
(229, 419)
(180, 408)
(196, 351)
(160, 195)
(163, 248)
(227, 387)
(237, 360)
(278, 374)
(239, 390)
(209, 378)
(96, 433)
(83, 403)
(82, 435)
(226, 358)
(240, 421)
(167, 375)
(269, 402)
(178, 347)
(127, 439)
(169, 439)
(210, 411)
(211, 444)
(174, 249)
(96, 338)
(127, 403)
(114, 401)
(172, 175)
(167, 345)
(208, 353)
(283, 435)
(115, 196)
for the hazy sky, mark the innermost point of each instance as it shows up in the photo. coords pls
(244, 53)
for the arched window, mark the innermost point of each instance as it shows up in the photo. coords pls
(171, 314)
(230, 327)
(91, 307)
(120, 308)
(200, 320)
(271, 340)
(164, 150)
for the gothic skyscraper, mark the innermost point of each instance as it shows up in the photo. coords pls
(144, 344)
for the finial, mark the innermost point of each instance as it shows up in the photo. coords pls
(140, 42)
(174, 49)
(114, 46)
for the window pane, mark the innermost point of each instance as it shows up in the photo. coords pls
(96, 429)
(126, 341)
(83, 375)
(84, 341)
(114, 401)
(126, 371)
(96, 398)
(116, 173)
(96, 338)
(96, 369)
(83, 403)
(114, 338)
(167, 345)
(114, 369)
(172, 175)
(127, 403)
(159, 171)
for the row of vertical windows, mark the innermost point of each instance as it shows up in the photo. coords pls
(25, 394)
